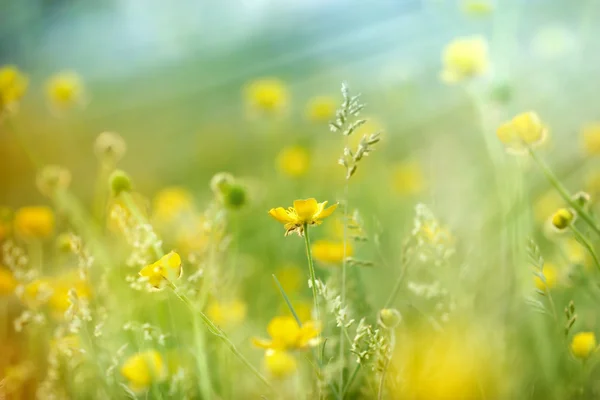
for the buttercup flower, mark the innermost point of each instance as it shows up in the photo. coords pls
(321, 109)
(583, 344)
(523, 131)
(280, 364)
(227, 313)
(36, 222)
(330, 252)
(64, 90)
(267, 94)
(171, 202)
(143, 369)
(304, 212)
(287, 335)
(13, 85)
(464, 58)
(293, 161)
(165, 270)
(591, 139)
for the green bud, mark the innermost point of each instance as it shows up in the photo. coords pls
(235, 197)
(390, 318)
(119, 182)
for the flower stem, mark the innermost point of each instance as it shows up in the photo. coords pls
(311, 269)
(351, 380)
(586, 243)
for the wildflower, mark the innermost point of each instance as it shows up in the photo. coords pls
(143, 369)
(109, 147)
(227, 313)
(293, 161)
(304, 212)
(390, 318)
(464, 58)
(59, 301)
(287, 335)
(550, 273)
(321, 109)
(331, 252)
(172, 202)
(64, 90)
(267, 94)
(36, 293)
(52, 178)
(35, 222)
(591, 139)
(279, 363)
(477, 8)
(13, 85)
(8, 283)
(562, 218)
(408, 178)
(523, 131)
(583, 344)
(165, 270)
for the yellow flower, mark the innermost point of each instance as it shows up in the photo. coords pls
(227, 313)
(304, 212)
(59, 300)
(287, 335)
(293, 161)
(550, 273)
(36, 222)
(280, 364)
(523, 131)
(591, 138)
(464, 58)
(477, 8)
(583, 344)
(562, 218)
(321, 109)
(36, 292)
(266, 94)
(13, 85)
(330, 252)
(8, 283)
(165, 270)
(408, 178)
(64, 90)
(143, 369)
(172, 202)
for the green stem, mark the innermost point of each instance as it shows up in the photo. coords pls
(586, 243)
(311, 268)
(203, 369)
(351, 380)
(563, 192)
(397, 287)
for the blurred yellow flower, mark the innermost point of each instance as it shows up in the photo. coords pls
(143, 369)
(67, 343)
(408, 179)
(279, 363)
(290, 277)
(464, 58)
(545, 205)
(227, 313)
(36, 292)
(591, 138)
(550, 273)
(321, 109)
(8, 283)
(583, 344)
(59, 300)
(287, 335)
(35, 222)
(64, 90)
(266, 94)
(304, 212)
(171, 202)
(576, 253)
(477, 8)
(293, 161)
(192, 235)
(330, 252)
(165, 270)
(523, 131)
(13, 85)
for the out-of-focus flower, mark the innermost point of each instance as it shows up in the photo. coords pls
(13, 85)
(167, 269)
(550, 280)
(36, 293)
(408, 179)
(591, 138)
(523, 131)
(267, 95)
(8, 283)
(546, 204)
(390, 318)
(304, 212)
(477, 8)
(109, 147)
(52, 178)
(227, 313)
(464, 58)
(562, 218)
(287, 335)
(321, 109)
(172, 202)
(143, 369)
(290, 277)
(35, 222)
(583, 344)
(61, 285)
(576, 253)
(293, 161)
(331, 252)
(64, 90)
(279, 363)
(193, 234)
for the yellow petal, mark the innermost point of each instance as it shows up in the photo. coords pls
(262, 343)
(306, 209)
(284, 330)
(308, 334)
(280, 364)
(281, 215)
(154, 273)
(325, 212)
(172, 264)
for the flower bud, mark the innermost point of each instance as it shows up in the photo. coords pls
(582, 199)
(235, 197)
(52, 178)
(562, 218)
(109, 147)
(390, 318)
(119, 182)
(221, 182)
